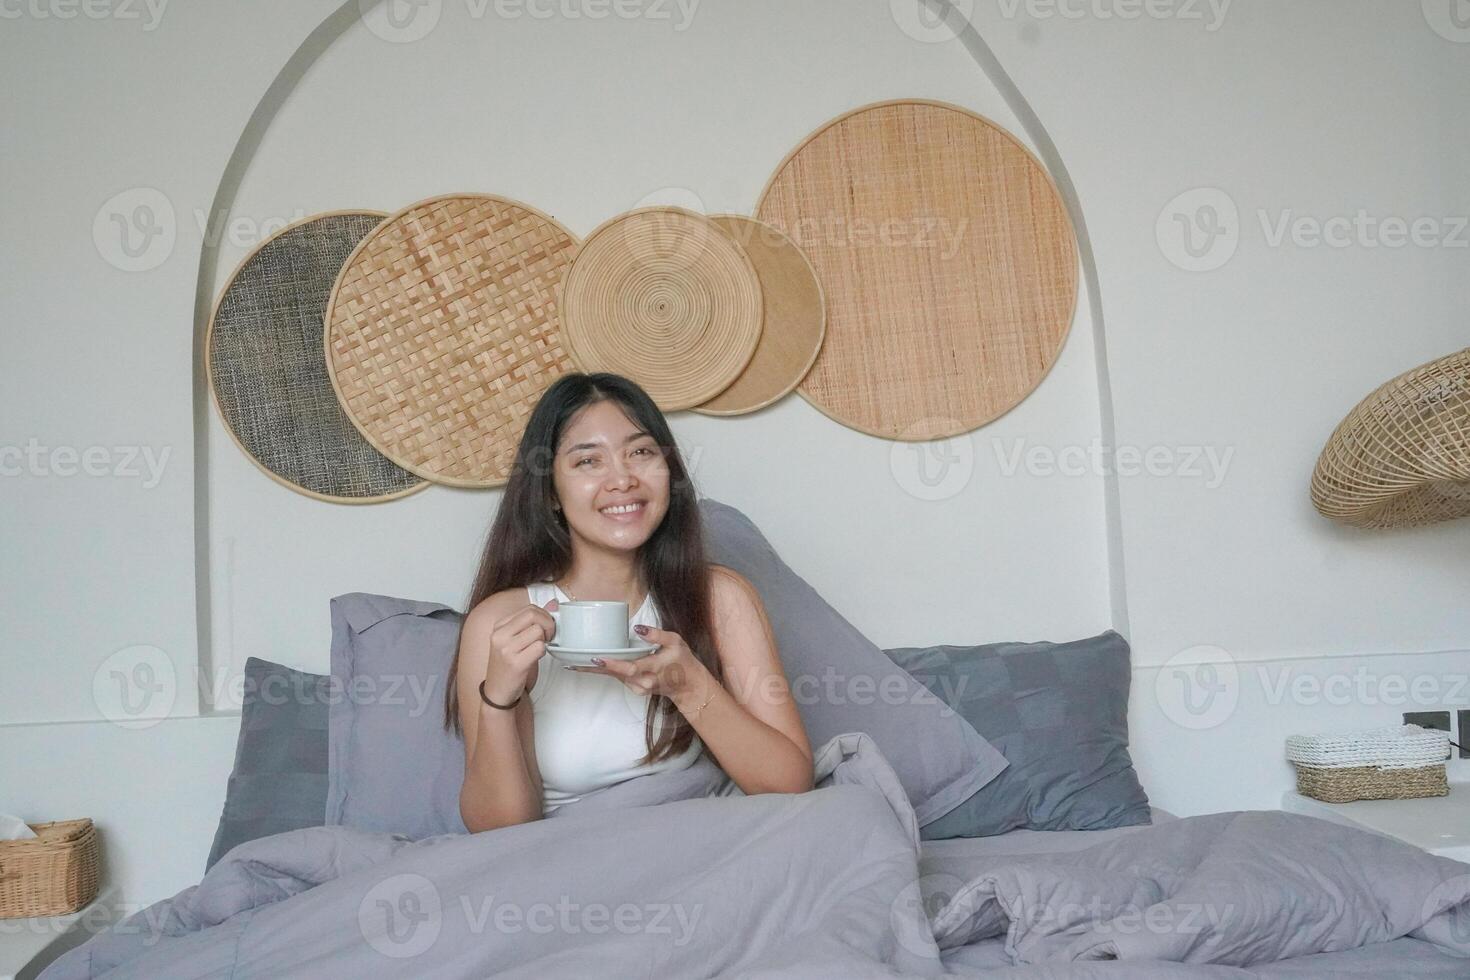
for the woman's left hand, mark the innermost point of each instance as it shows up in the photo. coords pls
(672, 670)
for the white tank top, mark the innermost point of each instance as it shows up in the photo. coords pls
(589, 727)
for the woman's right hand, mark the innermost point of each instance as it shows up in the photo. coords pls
(516, 644)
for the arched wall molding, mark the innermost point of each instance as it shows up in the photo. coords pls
(236, 167)
(1046, 148)
(349, 13)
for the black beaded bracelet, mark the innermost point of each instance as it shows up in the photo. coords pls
(505, 707)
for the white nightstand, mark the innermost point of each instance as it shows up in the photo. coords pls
(28, 946)
(1438, 824)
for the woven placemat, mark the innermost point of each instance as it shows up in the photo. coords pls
(947, 259)
(1401, 458)
(663, 296)
(794, 319)
(443, 332)
(267, 375)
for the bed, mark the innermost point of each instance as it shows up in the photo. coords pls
(653, 882)
(984, 820)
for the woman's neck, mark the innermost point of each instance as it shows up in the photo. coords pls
(590, 579)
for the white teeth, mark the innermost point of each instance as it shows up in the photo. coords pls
(625, 509)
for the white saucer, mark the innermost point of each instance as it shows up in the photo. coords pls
(582, 656)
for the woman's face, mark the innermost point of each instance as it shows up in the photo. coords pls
(604, 461)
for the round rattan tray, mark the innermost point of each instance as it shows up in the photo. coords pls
(267, 376)
(443, 331)
(666, 297)
(793, 322)
(948, 262)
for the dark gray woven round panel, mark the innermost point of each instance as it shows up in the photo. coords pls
(267, 366)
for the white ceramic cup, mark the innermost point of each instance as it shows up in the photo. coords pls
(591, 624)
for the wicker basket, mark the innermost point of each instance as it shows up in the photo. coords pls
(1368, 783)
(53, 873)
(1401, 763)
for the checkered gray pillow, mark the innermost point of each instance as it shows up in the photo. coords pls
(1058, 712)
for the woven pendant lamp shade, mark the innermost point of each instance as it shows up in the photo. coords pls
(1401, 458)
(443, 332)
(666, 297)
(267, 376)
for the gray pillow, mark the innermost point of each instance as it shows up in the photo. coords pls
(391, 765)
(279, 781)
(1059, 713)
(841, 682)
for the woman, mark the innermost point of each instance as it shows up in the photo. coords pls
(600, 506)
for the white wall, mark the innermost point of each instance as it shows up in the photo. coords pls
(99, 356)
(1323, 107)
(1319, 109)
(646, 111)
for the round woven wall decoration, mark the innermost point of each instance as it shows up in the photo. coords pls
(948, 262)
(1401, 458)
(665, 297)
(267, 376)
(443, 332)
(794, 319)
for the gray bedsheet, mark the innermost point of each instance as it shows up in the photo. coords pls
(1402, 958)
(1258, 894)
(685, 876)
(945, 863)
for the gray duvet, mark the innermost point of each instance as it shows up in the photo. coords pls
(681, 875)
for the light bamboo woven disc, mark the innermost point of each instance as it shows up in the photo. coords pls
(1401, 458)
(663, 296)
(267, 375)
(794, 319)
(947, 259)
(443, 332)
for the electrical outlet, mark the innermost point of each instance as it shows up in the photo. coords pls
(1464, 733)
(1436, 720)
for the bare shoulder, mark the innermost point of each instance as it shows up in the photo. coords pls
(749, 652)
(480, 622)
(495, 607)
(731, 593)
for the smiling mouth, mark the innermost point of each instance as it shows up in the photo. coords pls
(621, 513)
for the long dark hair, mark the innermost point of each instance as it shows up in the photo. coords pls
(529, 540)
